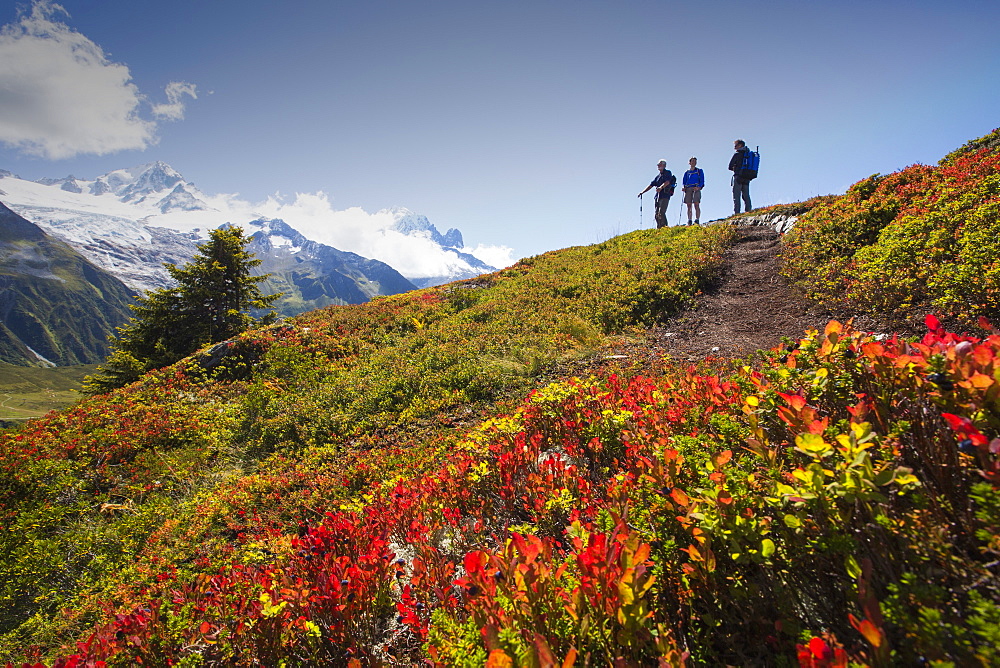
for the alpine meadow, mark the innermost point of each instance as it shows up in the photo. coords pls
(475, 474)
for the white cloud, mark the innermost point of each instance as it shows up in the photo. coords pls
(173, 110)
(60, 96)
(357, 231)
(495, 256)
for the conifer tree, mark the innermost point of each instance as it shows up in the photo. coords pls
(210, 303)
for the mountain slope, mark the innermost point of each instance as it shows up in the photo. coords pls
(342, 377)
(311, 275)
(56, 308)
(924, 238)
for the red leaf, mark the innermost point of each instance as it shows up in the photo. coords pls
(956, 422)
(499, 659)
(475, 561)
(545, 657)
(722, 458)
(796, 401)
(819, 649)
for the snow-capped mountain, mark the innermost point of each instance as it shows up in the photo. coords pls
(107, 220)
(464, 265)
(311, 275)
(130, 221)
(410, 223)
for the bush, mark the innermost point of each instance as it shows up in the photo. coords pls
(924, 238)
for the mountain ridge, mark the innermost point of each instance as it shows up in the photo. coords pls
(56, 308)
(313, 275)
(119, 209)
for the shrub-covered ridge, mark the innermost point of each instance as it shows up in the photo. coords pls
(160, 472)
(926, 237)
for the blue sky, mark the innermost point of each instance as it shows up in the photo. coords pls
(527, 124)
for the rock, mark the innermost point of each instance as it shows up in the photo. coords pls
(779, 222)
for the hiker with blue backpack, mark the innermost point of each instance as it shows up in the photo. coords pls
(743, 165)
(694, 181)
(664, 182)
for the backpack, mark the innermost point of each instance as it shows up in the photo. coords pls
(751, 163)
(670, 184)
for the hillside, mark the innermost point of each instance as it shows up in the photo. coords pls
(56, 308)
(30, 392)
(921, 239)
(539, 466)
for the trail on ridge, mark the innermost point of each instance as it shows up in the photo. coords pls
(749, 307)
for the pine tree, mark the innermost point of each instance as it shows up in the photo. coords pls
(210, 303)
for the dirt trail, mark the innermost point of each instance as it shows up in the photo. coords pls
(749, 307)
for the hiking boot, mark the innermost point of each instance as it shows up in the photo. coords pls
(697, 222)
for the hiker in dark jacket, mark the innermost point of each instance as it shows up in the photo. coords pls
(741, 188)
(694, 181)
(664, 184)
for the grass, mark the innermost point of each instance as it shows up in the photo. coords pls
(30, 392)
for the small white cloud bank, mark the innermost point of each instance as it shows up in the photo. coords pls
(173, 110)
(367, 234)
(62, 97)
(496, 256)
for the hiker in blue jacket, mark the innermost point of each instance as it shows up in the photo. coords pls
(694, 181)
(664, 184)
(741, 188)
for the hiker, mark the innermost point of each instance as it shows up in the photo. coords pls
(694, 181)
(664, 184)
(741, 187)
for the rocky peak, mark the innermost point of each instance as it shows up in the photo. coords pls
(154, 178)
(180, 199)
(413, 224)
(266, 229)
(68, 183)
(453, 239)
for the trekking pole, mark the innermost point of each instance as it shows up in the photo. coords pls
(640, 211)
